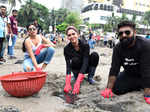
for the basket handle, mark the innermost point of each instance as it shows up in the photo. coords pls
(36, 76)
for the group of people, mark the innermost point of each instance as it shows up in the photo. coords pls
(8, 32)
(132, 53)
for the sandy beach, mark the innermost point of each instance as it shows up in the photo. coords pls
(51, 97)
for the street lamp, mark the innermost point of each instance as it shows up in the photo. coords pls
(53, 20)
(115, 8)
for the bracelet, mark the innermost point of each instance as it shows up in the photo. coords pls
(147, 96)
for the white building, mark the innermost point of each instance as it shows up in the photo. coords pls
(98, 13)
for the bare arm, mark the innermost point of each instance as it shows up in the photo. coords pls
(9, 28)
(146, 91)
(111, 81)
(31, 54)
(47, 41)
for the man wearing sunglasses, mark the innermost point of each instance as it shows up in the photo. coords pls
(133, 54)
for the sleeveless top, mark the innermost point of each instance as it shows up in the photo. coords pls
(26, 54)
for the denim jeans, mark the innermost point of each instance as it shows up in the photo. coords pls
(91, 43)
(11, 48)
(2, 46)
(45, 56)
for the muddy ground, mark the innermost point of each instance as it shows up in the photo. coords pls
(52, 99)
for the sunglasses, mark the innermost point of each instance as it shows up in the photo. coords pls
(32, 29)
(127, 32)
(69, 35)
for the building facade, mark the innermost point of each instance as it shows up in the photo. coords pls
(72, 5)
(98, 13)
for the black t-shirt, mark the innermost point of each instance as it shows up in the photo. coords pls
(82, 55)
(135, 60)
(39, 28)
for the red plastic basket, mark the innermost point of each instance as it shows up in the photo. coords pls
(23, 84)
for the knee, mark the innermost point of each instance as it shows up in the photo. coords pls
(28, 69)
(51, 50)
(118, 92)
(94, 59)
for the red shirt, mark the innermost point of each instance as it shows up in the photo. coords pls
(14, 25)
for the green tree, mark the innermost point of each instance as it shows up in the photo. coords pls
(145, 19)
(124, 17)
(57, 17)
(33, 10)
(73, 19)
(62, 27)
(112, 23)
(134, 18)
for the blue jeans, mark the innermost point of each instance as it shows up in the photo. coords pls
(11, 48)
(91, 43)
(45, 56)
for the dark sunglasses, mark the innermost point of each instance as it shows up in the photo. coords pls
(127, 32)
(70, 34)
(32, 29)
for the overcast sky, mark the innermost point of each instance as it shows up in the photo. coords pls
(50, 4)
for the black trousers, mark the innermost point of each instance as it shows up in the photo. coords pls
(93, 62)
(1, 45)
(127, 83)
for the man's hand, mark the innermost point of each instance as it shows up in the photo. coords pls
(11, 35)
(107, 93)
(147, 99)
(147, 95)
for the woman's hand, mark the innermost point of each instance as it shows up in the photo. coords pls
(47, 45)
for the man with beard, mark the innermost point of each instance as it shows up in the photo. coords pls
(4, 28)
(133, 54)
(14, 28)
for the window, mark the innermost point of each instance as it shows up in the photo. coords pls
(3, 1)
(101, 7)
(96, 7)
(104, 18)
(105, 7)
(86, 19)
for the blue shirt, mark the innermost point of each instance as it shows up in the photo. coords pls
(3, 26)
(148, 36)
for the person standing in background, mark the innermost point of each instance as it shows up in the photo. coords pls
(14, 28)
(39, 28)
(4, 28)
(148, 36)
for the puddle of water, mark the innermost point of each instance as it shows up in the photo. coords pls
(68, 97)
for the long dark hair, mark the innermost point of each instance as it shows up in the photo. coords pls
(23, 44)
